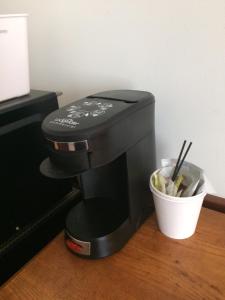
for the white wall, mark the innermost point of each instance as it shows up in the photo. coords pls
(173, 48)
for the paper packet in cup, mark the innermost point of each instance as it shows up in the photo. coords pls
(192, 175)
(189, 182)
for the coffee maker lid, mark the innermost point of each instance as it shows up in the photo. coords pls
(128, 96)
(93, 115)
(103, 125)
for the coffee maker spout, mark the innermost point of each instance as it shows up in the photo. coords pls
(66, 159)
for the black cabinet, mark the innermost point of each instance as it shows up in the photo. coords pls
(32, 207)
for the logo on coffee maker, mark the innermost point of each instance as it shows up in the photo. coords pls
(65, 122)
(91, 108)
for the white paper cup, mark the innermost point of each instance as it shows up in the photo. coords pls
(177, 216)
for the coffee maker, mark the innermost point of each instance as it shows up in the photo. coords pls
(106, 142)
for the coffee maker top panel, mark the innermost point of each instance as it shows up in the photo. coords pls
(129, 96)
(92, 115)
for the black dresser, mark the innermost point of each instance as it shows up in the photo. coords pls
(32, 207)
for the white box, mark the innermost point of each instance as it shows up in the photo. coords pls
(14, 63)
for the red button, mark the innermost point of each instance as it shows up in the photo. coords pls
(73, 246)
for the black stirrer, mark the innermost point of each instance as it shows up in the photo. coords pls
(178, 160)
(178, 169)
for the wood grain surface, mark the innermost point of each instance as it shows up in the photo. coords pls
(151, 266)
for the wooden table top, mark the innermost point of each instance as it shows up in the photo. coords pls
(150, 266)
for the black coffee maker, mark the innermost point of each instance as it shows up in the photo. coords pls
(106, 142)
